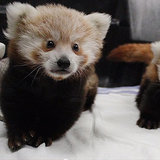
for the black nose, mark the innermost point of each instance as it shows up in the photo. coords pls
(63, 62)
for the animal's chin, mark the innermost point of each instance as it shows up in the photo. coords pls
(59, 74)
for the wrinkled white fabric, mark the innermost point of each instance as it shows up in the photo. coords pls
(109, 133)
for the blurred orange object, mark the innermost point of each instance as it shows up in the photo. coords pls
(132, 53)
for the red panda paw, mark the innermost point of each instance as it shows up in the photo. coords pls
(15, 143)
(148, 124)
(38, 139)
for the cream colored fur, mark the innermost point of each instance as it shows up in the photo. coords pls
(155, 47)
(101, 22)
(32, 27)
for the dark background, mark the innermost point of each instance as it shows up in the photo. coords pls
(111, 74)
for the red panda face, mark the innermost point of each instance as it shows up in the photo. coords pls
(62, 41)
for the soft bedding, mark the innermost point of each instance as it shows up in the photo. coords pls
(109, 133)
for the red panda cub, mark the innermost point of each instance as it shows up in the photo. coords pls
(51, 75)
(148, 98)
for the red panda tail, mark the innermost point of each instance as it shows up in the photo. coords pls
(132, 53)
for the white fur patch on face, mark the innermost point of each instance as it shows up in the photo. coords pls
(91, 49)
(51, 66)
(27, 44)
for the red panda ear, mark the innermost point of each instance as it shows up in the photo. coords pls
(15, 13)
(100, 21)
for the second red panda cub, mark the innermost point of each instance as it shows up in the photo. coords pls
(148, 99)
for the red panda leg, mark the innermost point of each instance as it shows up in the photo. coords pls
(149, 107)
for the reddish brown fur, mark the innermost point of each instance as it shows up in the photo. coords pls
(132, 53)
(12, 51)
(35, 55)
(150, 74)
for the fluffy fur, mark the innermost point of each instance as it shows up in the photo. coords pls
(148, 99)
(132, 53)
(40, 100)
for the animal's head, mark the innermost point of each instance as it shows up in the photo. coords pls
(62, 41)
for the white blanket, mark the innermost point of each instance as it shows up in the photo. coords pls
(109, 133)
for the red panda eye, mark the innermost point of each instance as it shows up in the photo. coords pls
(75, 47)
(50, 44)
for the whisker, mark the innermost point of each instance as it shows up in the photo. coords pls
(21, 65)
(25, 64)
(41, 74)
(36, 74)
(30, 73)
